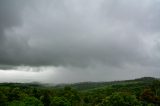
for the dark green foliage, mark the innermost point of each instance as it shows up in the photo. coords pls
(16, 103)
(60, 101)
(148, 96)
(3, 99)
(45, 98)
(155, 86)
(32, 101)
(28, 101)
(139, 92)
(121, 99)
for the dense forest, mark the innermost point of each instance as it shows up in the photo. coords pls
(139, 92)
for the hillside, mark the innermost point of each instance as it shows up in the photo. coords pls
(137, 92)
(92, 85)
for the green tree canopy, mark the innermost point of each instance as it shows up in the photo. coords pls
(121, 99)
(60, 101)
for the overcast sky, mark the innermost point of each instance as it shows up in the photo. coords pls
(57, 41)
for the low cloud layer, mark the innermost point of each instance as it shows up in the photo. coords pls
(116, 34)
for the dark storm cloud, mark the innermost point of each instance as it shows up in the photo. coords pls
(79, 33)
(10, 14)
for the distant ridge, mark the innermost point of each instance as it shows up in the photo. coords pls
(91, 85)
(82, 85)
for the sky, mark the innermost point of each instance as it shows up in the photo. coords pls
(66, 41)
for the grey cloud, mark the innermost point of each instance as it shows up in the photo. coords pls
(10, 17)
(79, 33)
(9, 14)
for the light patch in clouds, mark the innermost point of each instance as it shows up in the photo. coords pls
(27, 75)
(56, 75)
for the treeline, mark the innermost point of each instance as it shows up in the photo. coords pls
(129, 93)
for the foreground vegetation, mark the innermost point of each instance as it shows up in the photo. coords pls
(138, 92)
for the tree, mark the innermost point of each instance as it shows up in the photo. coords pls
(14, 94)
(16, 103)
(155, 86)
(28, 101)
(32, 101)
(71, 95)
(121, 99)
(60, 101)
(45, 98)
(148, 96)
(3, 99)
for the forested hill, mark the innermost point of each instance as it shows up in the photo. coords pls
(138, 92)
(82, 85)
(92, 85)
